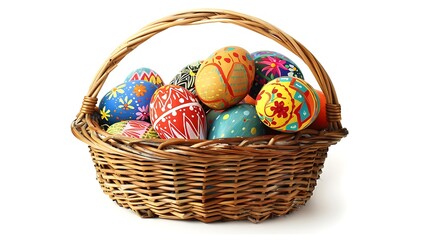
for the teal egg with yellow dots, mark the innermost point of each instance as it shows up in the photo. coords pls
(211, 115)
(127, 101)
(238, 121)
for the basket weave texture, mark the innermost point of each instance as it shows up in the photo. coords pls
(209, 180)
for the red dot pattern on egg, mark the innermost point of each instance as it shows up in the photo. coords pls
(225, 78)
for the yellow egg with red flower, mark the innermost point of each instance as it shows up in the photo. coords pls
(287, 104)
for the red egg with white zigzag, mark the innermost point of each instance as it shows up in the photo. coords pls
(176, 113)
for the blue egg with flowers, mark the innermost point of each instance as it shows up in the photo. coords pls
(127, 101)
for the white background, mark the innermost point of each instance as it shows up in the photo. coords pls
(374, 182)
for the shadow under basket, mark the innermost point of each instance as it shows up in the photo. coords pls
(210, 180)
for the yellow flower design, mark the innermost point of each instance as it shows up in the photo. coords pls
(126, 104)
(105, 114)
(115, 91)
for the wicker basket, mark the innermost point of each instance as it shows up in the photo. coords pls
(209, 180)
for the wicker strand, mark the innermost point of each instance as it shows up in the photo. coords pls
(333, 114)
(88, 105)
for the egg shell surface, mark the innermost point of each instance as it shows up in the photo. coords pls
(225, 77)
(238, 121)
(211, 115)
(287, 104)
(127, 101)
(176, 113)
(133, 129)
(321, 121)
(270, 65)
(186, 77)
(145, 74)
(248, 99)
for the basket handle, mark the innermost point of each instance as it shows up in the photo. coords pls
(202, 16)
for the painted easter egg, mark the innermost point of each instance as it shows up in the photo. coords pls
(145, 74)
(287, 104)
(176, 113)
(238, 121)
(211, 115)
(321, 121)
(225, 78)
(127, 101)
(249, 100)
(186, 77)
(270, 65)
(133, 129)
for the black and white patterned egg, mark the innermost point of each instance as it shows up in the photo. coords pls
(186, 77)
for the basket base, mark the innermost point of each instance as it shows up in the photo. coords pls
(250, 189)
